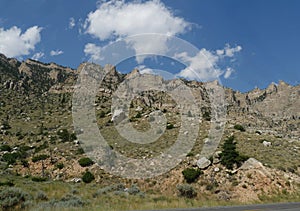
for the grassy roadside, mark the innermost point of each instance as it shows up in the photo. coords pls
(86, 196)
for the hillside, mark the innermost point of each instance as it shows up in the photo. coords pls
(38, 140)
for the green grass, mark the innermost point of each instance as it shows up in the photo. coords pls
(55, 190)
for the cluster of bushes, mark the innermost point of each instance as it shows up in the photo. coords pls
(68, 201)
(65, 136)
(7, 183)
(211, 186)
(230, 156)
(16, 199)
(5, 147)
(12, 156)
(5, 125)
(41, 196)
(119, 189)
(39, 157)
(12, 198)
(39, 179)
(187, 191)
(191, 175)
(109, 189)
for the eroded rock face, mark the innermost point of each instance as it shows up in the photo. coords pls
(272, 111)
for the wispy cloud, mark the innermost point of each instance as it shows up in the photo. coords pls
(72, 23)
(56, 52)
(38, 55)
(228, 72)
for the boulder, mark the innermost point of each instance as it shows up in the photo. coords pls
(252, 163)
(267, 143)
(76, 180)
(216, 169)
(118, 116)
(203, 163)
(216, 157)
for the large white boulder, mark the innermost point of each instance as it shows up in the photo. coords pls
(252, 163)
(203, 163)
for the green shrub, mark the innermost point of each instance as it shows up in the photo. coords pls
(10, 158)
(39, 158)
(42, 196)
(88, 177)
(39, 148)
(67, 201)
(5, 125)
(240, 128)
(5, 147)
(230, 155)
(84, 162)
(191, 175)
(212, 185)
(7, 183)
(64, 135)
(25, 163)
(138, 115)
(170, 126)
(187, 191)
(24, 148)
(133, 190)
(110, 188)
(206, 116)
(190, 154)
(11, 198)
(79, 151)
(60, 165)
(102, 114)
(73, 137)
(39, 179)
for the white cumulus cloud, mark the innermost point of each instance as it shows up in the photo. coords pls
(14, 43)
(117, 19)
(204, 66)
(93, 51)
(56, 52)
(38, 55)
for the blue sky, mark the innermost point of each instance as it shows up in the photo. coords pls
(247, 43)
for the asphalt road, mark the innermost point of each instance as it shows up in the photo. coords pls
(262, 207)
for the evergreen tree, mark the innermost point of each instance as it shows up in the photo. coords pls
(230, 155)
